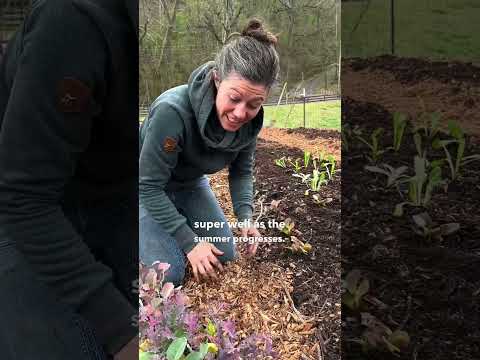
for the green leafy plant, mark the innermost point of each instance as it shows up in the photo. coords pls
(429, 125)
(355, 287)
(321, 202)
(379, 337)
(374, 145)
(287, 229)
(399, 125)
(318, 179)
(306, 158)
(304, 177)
(421, 185)
(169, 331)
(281, 162)
(425, 227)
(417, 140)
(329, 165)
(299, 247)
(457, 161)
(347, 134)
(394, 175)
(296, 165)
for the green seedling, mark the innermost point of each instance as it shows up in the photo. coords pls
(399, 125)
(304, 177)
(318, 179)
(429, 125)
(296, 165)
(379, 337)
(281, 162)
(356, 287)
(298, 246)
(457, 161)
(374, 145)
(321, 202)
(421, 185)
(347, 133)
(330, 166)
(417, 140)
(425, 227)
(394, 175)
(306, 158)
(288, 227)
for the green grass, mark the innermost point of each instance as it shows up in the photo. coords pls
(439, 29)
(319, 115)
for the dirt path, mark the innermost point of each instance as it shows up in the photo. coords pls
(415, 87)
(295, 298)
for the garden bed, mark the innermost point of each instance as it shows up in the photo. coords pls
(294, 298)
(426, 287)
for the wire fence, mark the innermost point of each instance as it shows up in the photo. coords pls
(434, 29)
(299, 111)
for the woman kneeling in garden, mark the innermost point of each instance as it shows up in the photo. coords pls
(197, 129)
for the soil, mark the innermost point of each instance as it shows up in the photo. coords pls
(313, 279)
(428, 288)
(413, 86)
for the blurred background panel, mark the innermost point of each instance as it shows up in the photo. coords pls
(12, 13)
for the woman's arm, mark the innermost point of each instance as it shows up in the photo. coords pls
(241, 182)
(162, 144)
(46, 126)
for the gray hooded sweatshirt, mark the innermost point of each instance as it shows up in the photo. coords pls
(181, 140)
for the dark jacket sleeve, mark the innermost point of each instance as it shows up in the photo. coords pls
(56, 92)
(241, 182)
(156, 166)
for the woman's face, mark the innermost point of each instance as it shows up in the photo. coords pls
(238, 101)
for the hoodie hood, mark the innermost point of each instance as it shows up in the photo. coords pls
(202, 93)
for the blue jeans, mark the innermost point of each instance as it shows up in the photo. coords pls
(195, 203)
(34, 324)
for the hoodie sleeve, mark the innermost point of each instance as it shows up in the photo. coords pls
(162, 144)
(241, 182)
(46, 126)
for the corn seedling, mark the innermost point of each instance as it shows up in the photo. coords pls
(281, 162)
(425, 227)
(394, 175)
(306, 158)
(399, 125)
(374, 145)
(355, 288)
(421, 185)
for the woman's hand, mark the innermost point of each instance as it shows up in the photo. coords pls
(203, 259)
(251, 232)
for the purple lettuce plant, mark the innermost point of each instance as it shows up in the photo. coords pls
(168, 329)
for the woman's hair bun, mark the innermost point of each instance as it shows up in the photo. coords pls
(256, 30)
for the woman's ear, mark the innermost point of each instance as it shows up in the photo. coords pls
(216, 80)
